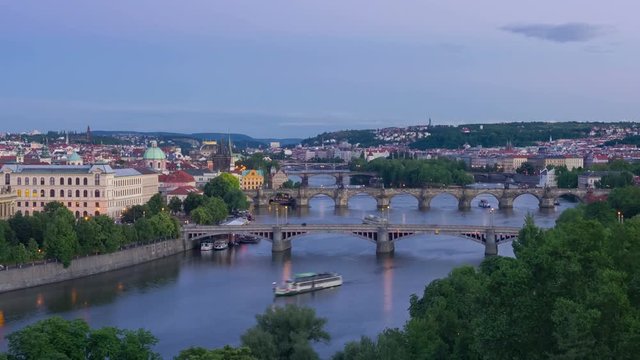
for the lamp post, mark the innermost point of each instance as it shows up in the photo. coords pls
(286, 214)
(491, 217)
(620, 217)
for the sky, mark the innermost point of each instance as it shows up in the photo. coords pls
(296, 68)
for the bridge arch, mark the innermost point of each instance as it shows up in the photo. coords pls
(487, 193)
(569, 195)
(444, 195)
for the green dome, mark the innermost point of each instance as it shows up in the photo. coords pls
(153, 152)
(74, 157)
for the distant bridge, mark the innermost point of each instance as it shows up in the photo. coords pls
(339, 175)
(546, 196)
(384, 237)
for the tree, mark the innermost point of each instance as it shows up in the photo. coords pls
(175, 204)
(60, 239)
(226, 353)
(192, 201)
(202, 216)
(156, 204)
(236, 200)
(221, 185)
(286, 333)
(626, 200)
(526, 168)
(134, 213)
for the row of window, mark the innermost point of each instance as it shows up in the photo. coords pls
(42, 204)
(127, 182)
(127, 192)
(52, 180)
(84, 213)
(52, 193)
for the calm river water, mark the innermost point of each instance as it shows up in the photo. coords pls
(210, 299)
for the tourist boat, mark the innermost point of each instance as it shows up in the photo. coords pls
(248, 239)
(374, 220)
(556, 203)
(220, 244)
(206, 246)
(484, 204)
(307, 282)
(283, 199)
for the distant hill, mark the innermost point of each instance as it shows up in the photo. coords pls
(239, 140)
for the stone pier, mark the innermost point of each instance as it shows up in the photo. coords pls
(383, 244)
(279, 244)
(490, 245)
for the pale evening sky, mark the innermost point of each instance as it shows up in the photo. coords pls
(295, 68)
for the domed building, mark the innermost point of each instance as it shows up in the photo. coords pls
(154, 158)
(74, 159)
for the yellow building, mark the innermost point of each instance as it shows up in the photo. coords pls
(86, 190)
(7, 201)
(251, 180)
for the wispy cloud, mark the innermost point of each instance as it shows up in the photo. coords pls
(562, 33)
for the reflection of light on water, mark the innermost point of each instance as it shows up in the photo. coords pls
(286, 270)
(387, 278)
(39, 300)
(74, 296)
(120, 287)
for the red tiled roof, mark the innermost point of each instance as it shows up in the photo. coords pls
(177, 177)
(184, 190)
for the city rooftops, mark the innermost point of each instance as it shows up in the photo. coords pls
(68, 169)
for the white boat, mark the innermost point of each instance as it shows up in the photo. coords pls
(206, 246)
(374, 220)
(220, 244)
(307, 282)
(484, 204)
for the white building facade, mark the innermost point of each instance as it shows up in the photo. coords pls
(86, 190)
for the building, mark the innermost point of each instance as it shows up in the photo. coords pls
(223, 157)
(175, 180)
(74, 159)
(548, 178)
(278, 179)
(86, 190)
(588, 179)
(202, 176)
(251, 180)
(182, 192)
(154, 158)
(7, 200)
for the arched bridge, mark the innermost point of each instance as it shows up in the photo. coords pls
(546, 196)
(339, 175)
(383, 236)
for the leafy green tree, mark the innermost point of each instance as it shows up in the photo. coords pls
(21, 227)
(286, 333)
(135, 213)
(221, 185)
(87, 231)
(236, 200)
(217, 208)
(145, 230)
(626, 200)
(526, 168)
(60, 239)
(202, 216)
(226, 353)
(175, 204)
(19, 254)
(156, 204)
(289, 184)
(192, 201)
(53, 338)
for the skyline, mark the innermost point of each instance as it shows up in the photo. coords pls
(297, 69)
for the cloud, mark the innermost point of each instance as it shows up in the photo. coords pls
(562, 33)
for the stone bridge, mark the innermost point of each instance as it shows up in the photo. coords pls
(339, 175)
(546, 196)
(384, 237)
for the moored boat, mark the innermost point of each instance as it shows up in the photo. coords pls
(220, 244)
(206, 245)
(484, 204)
(307, 282)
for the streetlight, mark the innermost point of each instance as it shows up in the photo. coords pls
(620, 217)
(491, 217)
(286, 214)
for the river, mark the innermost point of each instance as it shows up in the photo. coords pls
(210, 299)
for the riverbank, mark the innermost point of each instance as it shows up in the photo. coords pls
(48, 273)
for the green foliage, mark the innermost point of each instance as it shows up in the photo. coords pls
(175, 205)
(156, 204)
(212, 211)
(289, 184)
(134, 213)
(257, 161)
(567, 179)
(615, 180)
(56, 338)
(221, 184)
(364, 138)
(419, 173)
(626, 200)
(236, 200)
(60, 239)
(285, 333)
(226, 353)
(526, 168)
(192, 201)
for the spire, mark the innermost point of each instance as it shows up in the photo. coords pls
(66, 139)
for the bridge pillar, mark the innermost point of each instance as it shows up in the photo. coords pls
(383, 202)
(464, 203)
(279, 244)
(342, 199)
(490, 245)
(505, 202)
(547, 203)
(261, 199)
(424, 203)
(383, 245)
(303, 198)
(339, 179)
(305, 180)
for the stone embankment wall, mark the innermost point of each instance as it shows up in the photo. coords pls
(15, 279)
